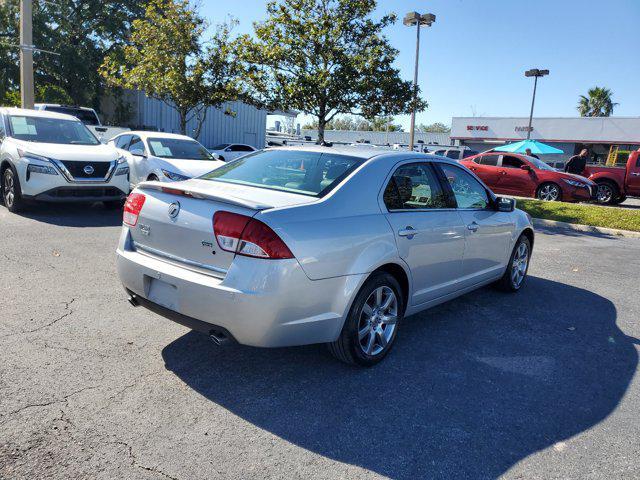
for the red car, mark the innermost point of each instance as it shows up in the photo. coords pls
(516, 174)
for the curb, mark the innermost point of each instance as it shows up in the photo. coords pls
(576, 227)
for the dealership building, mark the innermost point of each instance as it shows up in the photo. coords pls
(608, 139)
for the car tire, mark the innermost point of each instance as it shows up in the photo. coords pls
(607, 193)
(549, 192)
(516, 273)
(619, 200)
(114, 204)
(220, 157)
(370, 330)
(11, 191)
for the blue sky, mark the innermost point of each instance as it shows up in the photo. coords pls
(472, 60)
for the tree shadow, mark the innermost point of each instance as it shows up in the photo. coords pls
(73, 214)
(473, 386)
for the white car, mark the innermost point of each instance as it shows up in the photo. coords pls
(53, 157)
(318, 245)
(164, 157)
(230, 151)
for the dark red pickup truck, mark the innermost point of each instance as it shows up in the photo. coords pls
(615, 184)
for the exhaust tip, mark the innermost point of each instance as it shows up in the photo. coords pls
(219, 338)
(133, 300)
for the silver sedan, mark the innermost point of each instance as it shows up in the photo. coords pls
(307, 245)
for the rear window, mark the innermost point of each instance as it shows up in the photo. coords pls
(88, 117)
(307, 173)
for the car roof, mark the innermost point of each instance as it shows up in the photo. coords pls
(89, 109)
(378, 153)
(146, 134)
(36, 113)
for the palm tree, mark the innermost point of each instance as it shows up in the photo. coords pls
(598, 103)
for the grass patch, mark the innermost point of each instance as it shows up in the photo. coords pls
(584, 214)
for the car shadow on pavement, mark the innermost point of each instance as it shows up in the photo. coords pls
(472, 387)
(74, 215)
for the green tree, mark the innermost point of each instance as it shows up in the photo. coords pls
(168, 60)
(82, 32)
(325, 58)
(436, 127)
(597, 103)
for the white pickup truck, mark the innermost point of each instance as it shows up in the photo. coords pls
(86, 115)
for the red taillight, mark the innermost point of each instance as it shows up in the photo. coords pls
(247, 236)
(132, 208)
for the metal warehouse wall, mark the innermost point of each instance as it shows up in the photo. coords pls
(378, 138)
(248, 125)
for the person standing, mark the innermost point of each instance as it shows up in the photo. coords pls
(577, 163)
(528, 153)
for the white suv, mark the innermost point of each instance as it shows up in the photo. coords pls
(53, 157)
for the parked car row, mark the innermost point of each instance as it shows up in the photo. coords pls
(49, 154)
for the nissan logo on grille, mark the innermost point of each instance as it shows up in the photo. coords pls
(88, 169)
(174, 209)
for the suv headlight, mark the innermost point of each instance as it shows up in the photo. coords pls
(123, 166)
(35, 167)
(176, 177)
(574, 183)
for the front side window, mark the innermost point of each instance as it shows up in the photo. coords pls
(307, 173)
(222, 146)
(469, 193)
(468, 153)
(454, 154)
(414, 186)
(51, 130)
(178, 148)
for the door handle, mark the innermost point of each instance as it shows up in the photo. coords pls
(473, 168)
(473, 227)
(408, 232)
(502, 172)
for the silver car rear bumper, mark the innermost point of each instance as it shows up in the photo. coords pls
(262, 303)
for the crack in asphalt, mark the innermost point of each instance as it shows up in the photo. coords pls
(54, 321)
(48, 403)
(134, 461)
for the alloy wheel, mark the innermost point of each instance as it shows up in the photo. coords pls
(378, 320)
(604, 193)
(549, 193)
(9, 188)
(519, 264)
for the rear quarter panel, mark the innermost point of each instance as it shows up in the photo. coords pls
(344, 233)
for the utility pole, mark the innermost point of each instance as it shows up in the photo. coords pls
(26, 54)
(418, 20)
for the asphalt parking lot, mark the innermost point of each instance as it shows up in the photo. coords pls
(542, 384)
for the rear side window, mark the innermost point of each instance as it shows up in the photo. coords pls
(414, 186)
(468, 153)
(469, 193)
(122, 141)
(454, 154)
(488, 160)
(307, 173)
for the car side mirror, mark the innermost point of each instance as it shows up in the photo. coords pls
(525, 167)
(505, 204)
(138, 152)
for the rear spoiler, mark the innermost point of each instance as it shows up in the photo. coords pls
(202, 194)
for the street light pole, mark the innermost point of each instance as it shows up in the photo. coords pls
(411, 19)
(26, 54)
(534, 72)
